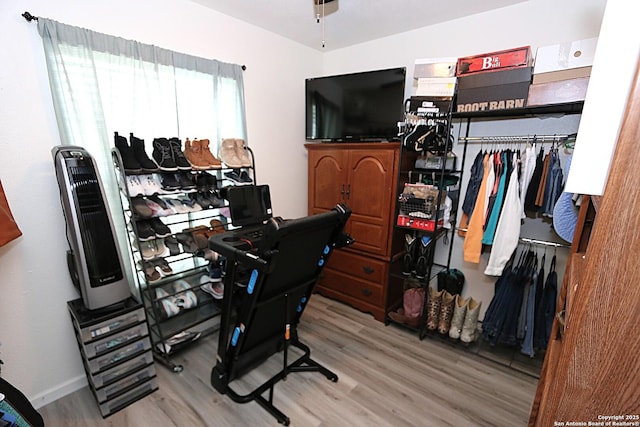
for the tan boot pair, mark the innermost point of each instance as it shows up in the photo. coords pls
(199, 154)
(234, 154)
(464, 323)
(439, 310)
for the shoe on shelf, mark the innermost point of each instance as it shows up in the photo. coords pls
(162, 267)
(158, 228)
(140, 208)
(201, 200)
(186, 297)
(217, 226)
(243, 153)
(215, 272)
(234, 176)
(137, 145)
(207, 155)
(177, 340)
(227, 154)
(156, 208)
(149, 185)
(161, 249)
(147, 249)
(172, 244)
(181, 162)
(446, 313)
(169, 182)
(144, 231)
(151, 275)
(245, 178)
(215, 201)
(185, 181)
(134, 186)
(215, 289)
(163, 155)
(188, 242)
(190, 204)
(129, 161)
(193, 153)
(178, 206)
(167, 303)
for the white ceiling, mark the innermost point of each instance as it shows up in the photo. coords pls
(348, 22)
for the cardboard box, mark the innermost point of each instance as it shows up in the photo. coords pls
(436, 86)
(498, 90)
(435, 67)
(504, 59)
(560, 92)
(564, 56)
(556, 76)
(429, 104)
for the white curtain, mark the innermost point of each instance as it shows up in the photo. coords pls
(102, 84)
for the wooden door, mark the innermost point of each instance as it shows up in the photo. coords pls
(598, 363)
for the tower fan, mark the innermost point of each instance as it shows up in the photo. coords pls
(94, 258)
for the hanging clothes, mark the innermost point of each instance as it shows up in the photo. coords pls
(527, 169)
(473, 238)
(492, 222)
(491, 189)
(532, 188)
(554, 185)
(538, 326)
(527, 342)
(543, 181)
(493, 182)
(508, 229)
(475, 179)
(549, 298)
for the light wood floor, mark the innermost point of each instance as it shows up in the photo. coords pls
(387, 377)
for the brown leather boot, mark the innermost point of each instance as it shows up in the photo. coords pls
(193, 153)
(446, 312)
(207, 155)
(433, 308)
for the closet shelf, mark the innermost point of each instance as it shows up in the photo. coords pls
(567, 108)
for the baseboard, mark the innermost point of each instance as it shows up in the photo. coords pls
(55, 393)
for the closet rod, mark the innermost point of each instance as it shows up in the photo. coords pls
(543, 243)
(29, 17)
(519, 138)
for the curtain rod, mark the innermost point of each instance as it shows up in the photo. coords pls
(543, 242)
(29, 17)
(519, 138)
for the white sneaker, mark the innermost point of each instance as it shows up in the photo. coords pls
(134, 187)
(186, 297)
(215, 289)
(150, 185)
(168, 303)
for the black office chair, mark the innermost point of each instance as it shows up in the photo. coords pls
(283, 269)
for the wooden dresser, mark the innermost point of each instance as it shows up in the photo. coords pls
(364, 177)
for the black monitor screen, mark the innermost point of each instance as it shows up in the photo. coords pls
(360, 106)
(249, 204)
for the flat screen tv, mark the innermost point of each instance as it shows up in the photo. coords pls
(365, 106)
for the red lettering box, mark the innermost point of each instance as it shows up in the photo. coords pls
(419, 223)
(500, 60)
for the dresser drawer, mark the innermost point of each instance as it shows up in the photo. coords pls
(369, 292)
(365, 268)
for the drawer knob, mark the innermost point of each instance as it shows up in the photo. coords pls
(368, 270)
(366, 292)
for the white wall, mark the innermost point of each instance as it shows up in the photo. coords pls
(533, 23)
(38, 346)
